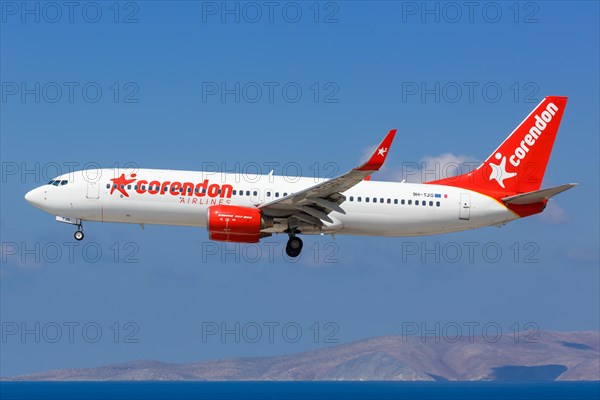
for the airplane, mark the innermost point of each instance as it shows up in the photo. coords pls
(505, 187)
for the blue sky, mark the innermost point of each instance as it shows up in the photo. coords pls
(355, 67)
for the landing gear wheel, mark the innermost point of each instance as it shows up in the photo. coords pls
(294, 247)
(78, 235)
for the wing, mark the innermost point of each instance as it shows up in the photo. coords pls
(314, 204)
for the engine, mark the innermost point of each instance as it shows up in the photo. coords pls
(237, 224)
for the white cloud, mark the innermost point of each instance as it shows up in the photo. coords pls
(554, 214)
(446, 165)
(583, 255)
(448, 159)
(430, 168)
(367, 153)
(12, 259)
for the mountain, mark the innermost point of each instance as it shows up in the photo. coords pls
(562, 356)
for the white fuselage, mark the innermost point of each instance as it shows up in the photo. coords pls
(183, 198)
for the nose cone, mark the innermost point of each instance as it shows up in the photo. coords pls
(34, 197)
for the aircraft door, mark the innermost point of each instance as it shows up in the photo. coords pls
(93, 190)
(465, 206)
(92, 177)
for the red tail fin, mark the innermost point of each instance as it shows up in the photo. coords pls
(519, 163)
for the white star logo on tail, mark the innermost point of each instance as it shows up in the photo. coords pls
(382, 151)
(499, 172)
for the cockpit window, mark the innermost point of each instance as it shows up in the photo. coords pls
(58, 182)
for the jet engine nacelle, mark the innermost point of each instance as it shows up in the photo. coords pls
(236, 224)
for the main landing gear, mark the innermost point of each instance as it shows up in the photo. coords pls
(79, 233)
(294, 246)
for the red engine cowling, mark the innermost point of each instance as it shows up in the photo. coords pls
(235, 224)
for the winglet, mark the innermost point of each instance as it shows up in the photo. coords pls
(380, 154)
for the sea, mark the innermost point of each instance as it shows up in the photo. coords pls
(299, 390)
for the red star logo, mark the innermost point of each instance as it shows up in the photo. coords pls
(120, 183)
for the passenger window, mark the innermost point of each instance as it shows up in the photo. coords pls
(424, 203)
(276, 194)
(268, 194)
(389, 201)
(416, 202)
(437, 203)
(351, 198)
(255, 193)
(431, 204)
(359, 199)
(367, 199)
(284, 194)
(108, 185)
(395, 201)
(402, 201)
(128, 187)
(234, 192)
(382, 200)
(409, 202)
(247, 193)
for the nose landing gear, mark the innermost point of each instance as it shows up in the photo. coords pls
(79, 233)
(294, 246)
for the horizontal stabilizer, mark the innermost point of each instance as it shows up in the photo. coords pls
(537, 196)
